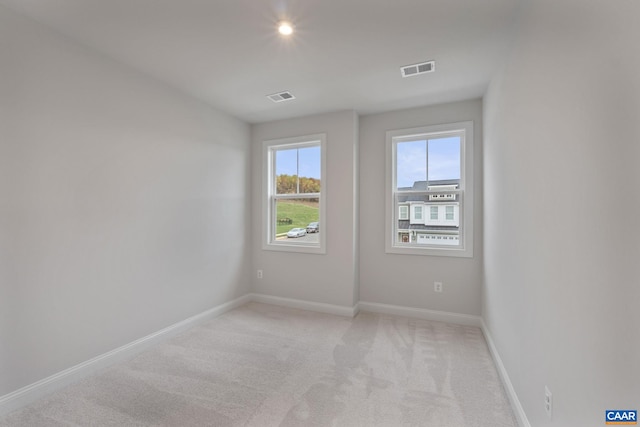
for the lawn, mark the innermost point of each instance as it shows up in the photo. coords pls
(300, 213)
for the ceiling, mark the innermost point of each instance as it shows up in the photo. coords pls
(344, 54)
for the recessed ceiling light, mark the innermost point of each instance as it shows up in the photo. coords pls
(285, 28)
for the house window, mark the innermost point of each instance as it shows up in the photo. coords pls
(434, 213)
(403, 212)
(449, 213)
(417, 213)
(293, 194)
(431, 165)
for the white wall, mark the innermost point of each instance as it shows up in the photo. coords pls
(562, 203)
(407, 280)
(329, 278)
(123, 205)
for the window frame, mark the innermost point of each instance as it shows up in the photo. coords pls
(270, 198)
(465, 190)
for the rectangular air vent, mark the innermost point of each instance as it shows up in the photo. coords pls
(281, 96)
(416, 69)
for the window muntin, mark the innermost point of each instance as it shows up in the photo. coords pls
(294, 195)
(426, 169)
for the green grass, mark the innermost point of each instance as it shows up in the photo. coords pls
(300, 213)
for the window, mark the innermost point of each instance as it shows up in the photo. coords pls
(403, 212)
(449, 213)
(417, 213)
(434, 213)
(293, 194)
(430, 168)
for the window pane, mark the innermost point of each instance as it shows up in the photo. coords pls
(286, 168)
(449, 213)
(298, 213)
(418, 212)
(404, 212)
(444, 158)
(298, 170)
(411, 164)
(309, 169)
(434, 212)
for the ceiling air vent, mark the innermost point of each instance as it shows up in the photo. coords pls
(281, 96)
(415, 69)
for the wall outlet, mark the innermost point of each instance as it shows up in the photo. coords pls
(259, 274)
(437, 286)
(548, 401)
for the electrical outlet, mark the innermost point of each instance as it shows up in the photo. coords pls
(437, 286)
(259, 274)
(548, 401)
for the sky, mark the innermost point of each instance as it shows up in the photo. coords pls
(444, 160)
(308, 158)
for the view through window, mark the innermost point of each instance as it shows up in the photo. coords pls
(295, 193)
(428, 181)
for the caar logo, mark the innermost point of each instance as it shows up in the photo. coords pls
(621, 418)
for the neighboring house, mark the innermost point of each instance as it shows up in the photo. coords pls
(428, 218)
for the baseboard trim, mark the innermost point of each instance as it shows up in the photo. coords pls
(421, 313)
(518, 410)
(321, 307)
(39, 389)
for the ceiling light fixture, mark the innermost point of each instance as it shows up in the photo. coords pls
(285, 28)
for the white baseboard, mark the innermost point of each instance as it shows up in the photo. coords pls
(339, 310)
(421, 313)
(518, 410)
(39, 389)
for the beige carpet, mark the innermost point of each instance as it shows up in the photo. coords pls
(262, 365)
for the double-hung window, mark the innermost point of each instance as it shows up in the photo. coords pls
(430, 169)
(294, 194)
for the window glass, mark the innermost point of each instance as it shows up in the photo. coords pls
(444, 159)
(294, 199)
(434, 213)
(429, 169)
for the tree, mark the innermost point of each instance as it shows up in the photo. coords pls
(288, 184)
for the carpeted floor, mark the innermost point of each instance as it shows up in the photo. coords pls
(262, 365)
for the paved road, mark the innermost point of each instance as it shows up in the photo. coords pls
(310, 237)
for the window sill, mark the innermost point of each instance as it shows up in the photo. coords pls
(294, 247)
(430, 251)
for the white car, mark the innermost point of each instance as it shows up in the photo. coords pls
(297, 232)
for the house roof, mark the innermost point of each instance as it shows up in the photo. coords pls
(406, 198)
(405, 225)
(423, 185)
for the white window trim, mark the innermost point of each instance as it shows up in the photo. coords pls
(268, 235)
(465, 250)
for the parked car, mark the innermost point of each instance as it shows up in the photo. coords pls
(313, 227)
(297, 232)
